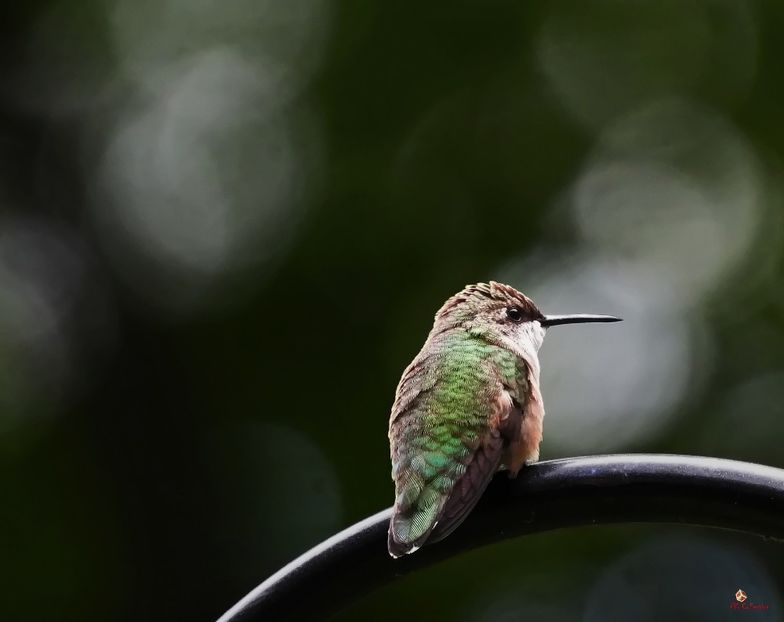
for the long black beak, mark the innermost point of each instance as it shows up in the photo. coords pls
(576, 318)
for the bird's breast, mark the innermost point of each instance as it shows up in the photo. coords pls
(526, 447)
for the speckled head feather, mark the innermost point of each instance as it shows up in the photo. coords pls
(475, 297)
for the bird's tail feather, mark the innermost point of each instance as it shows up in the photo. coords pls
(409, 529)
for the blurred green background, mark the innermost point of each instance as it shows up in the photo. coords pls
(225, 228)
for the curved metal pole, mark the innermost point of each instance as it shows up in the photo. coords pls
(545, 496)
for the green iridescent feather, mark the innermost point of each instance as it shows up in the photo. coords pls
(440, 418)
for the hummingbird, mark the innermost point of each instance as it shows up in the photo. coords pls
(467, 406)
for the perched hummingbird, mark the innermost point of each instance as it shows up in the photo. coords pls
(468, 405)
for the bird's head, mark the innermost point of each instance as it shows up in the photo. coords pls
(502, 315)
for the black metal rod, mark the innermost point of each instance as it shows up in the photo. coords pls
(545, 496)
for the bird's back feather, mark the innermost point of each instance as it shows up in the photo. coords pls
(456, 409)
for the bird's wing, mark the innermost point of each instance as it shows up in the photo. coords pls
(452, 418)
(484, 462)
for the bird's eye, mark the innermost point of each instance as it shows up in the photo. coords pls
(514, 314)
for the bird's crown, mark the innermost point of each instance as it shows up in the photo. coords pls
(486, 297)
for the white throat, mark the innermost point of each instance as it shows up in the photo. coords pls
(525, 343)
